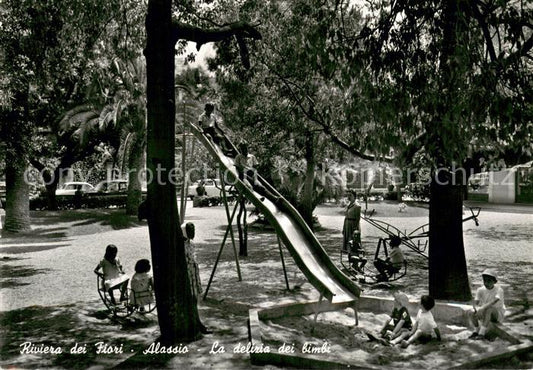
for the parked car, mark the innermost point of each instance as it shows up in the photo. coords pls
(70, 188)
(112, 186)
(213, 188)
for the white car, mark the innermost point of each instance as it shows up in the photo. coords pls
(212, 187)
(112, 186)
(70, 188)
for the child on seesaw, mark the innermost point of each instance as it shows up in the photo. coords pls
(114, 276)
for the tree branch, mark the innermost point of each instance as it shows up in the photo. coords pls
(202, 36)
(488, 39)
(324, 126)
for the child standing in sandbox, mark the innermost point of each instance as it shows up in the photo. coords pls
(491, 307)
(400, 320)
(424, 326)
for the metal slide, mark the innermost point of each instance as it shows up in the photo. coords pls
(306, 250)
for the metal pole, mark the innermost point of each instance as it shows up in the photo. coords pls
(355, 308)
(224, 197)
(220, 252)
(183, 204)
(283, 264)
(317, 310)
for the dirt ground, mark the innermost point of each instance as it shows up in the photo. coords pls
(49, 298)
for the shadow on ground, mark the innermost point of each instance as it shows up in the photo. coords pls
(54, 225)
(11, 274)
(225, 311)
(115, 218)
(66, 327)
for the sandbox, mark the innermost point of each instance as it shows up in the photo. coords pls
(287, 335)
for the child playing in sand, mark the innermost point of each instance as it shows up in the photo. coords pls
(112, 273)
(424, 326)
(491, 307)
(142, 285)
(400, 320)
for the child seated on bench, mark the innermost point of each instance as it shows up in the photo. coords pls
(491, 307)
(393, 263)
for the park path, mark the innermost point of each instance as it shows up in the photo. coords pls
(51, 280)
(60, 271)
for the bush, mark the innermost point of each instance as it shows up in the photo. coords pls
(418, 191)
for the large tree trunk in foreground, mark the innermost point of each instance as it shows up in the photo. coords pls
(17, 198)
(448, 277)
(176, 307)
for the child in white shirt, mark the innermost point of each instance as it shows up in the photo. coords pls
(490, 304)
(424, 327)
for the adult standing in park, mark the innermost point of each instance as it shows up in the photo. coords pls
(352, 220)
(189, 231)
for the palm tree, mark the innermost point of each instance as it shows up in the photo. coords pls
(125, 114)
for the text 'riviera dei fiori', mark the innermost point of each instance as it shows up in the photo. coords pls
(100, 348)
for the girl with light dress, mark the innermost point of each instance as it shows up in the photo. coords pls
(112, 273)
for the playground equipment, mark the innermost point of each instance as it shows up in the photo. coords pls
(142, 302)
(291, 229)
(351, 259)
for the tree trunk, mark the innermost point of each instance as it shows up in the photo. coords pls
(242, 227)
(135, 165)
(51, 186)
(176, 306)
(308, 190)
(17, 131)
(448, 277)
(17, 198)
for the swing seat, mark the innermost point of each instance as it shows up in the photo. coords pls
(400, 272)
(394, 274)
